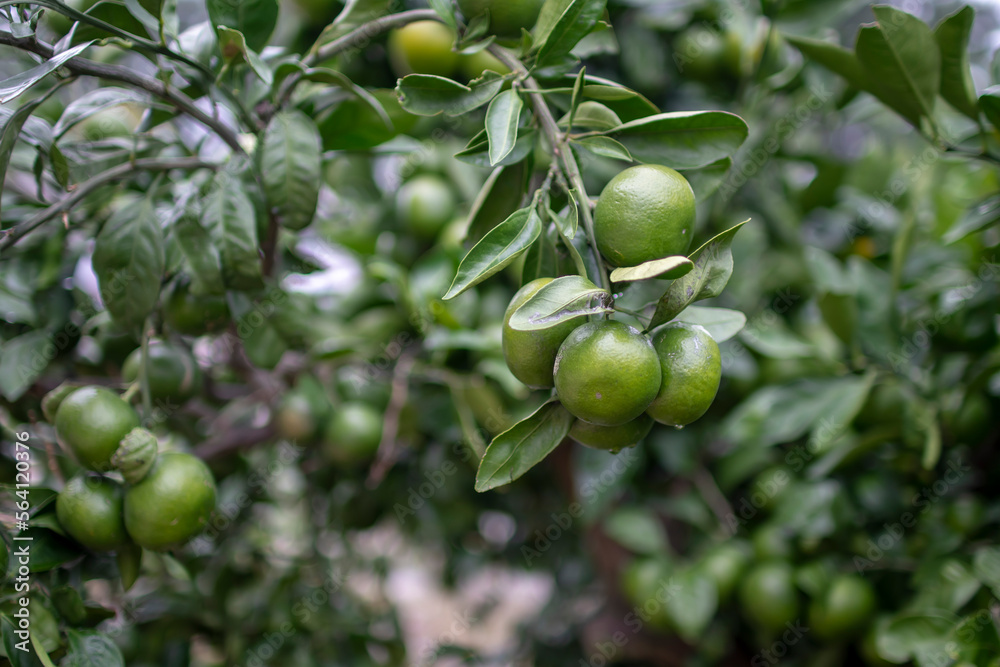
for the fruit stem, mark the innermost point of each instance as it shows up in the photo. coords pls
(130, 392)
(560, 149)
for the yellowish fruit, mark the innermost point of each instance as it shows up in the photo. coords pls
(423, 47)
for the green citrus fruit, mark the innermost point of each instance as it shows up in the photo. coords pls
(425, 204)
(353, 433)
(423, 47)
(611, 438)
(691, 367)
(606, 373)
(474, 64)
(645, 584)
(772, 540)
(768, 597)
(91, 422)
(706, 55)
(507, 17)
(725, 565)
(531, 355)
(295, 420)
(89, 508)
(644, 213)
(844, 610)
(171, 504)
(173, 373)
(869, 650)
(195, 314)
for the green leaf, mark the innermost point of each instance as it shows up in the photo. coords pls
(93, 102)
(91, 649)
(129, 559)
(522, 446)
(541, 260)
(502, 119)
(60, 166)
(69, 604)
(952, 37)
(721, 323)
(984, 214)
(986, 567)
(691, 604)
(445, 11)
(290, 164)
(569, 223)
(354, 14)
(254, 19)
(201, 254)
(917, 635)
(989, 101)
(12, 87)
(496, 250)
(562, 24)
(593, 116)
(129, 260)
(706, 180)
(230, 219)
(683, 139)
(477, 151)
(23, 360)
(902, 63)
(49, 550)
(713, 265)
(500, 196)
(10, 131)
(835, 58)
(234, 49)
(16, 657)
(428, 95)
(974, 641)
(670, 268)
(638, 529)
(605, 147)
(560, 300)
(263, 344)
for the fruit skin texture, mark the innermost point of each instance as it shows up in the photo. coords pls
(768, 596)
(644, 213)
(607, 373)
(691, 366)
(91, 422)
(611, 438)
(531, 355)
(89, 508)
(423, 47)
(173, 373)
(507, 17)
(353, 433)
(171, 504)
(425, 204)
(195, 314)
(844, 610)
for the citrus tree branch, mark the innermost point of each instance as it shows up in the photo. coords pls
(11, 236)
(132, 78)
(560, 149)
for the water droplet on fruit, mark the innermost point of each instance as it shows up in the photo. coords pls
(678, 427)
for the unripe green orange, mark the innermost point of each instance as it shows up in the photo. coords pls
(507, 17)
(423, 47)
(171, 504)
(691, 369)
(89, 508)
(90, 424)
(611, 438)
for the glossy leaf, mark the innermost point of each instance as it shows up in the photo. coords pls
(254, 19)
(605, 147)
(522, 446)
(22, 361)
(713, 265)
(562, 24)
(683, 139)
(669, 268)
(835, 58)
(16, 657)
(721, 323)
(129, 260)
(477, 152)
(502, 119)
(91, 103)
(290, 164)
(235, 50)
(12, 87)
(952, 37)
(229, 216)
(201, 254)
(10, 131)
(562, 299)
(428, 95)
(496, 250)
(593, 116)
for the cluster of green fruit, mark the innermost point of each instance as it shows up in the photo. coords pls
(614, 379)
(167, 498)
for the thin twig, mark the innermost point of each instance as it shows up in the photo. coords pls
(388, 447)
(129, 76)
(232, 440)
(713, 497)
(13, 235)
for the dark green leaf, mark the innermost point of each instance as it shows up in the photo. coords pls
(60, 166)
(12, 87)
(541, 260)
(981, 216)
(562, 299)
(477, 152)
(713, 265)
(562, 24)
(129, 261)
(427, 95)
(915, 635)
(229, 217)
(502, 119)
(263, 344)
(91, 649)
(706, 180)
(11, 641)
(691, 603)
(952, 36)
(669, 268)
(683, 139)
(201, 254)
(500, 196)
(129, 559)
(974, 641)
(92, 102)
(49, 550)
(22, 361)
(10, 131)
(989, 101)
(254, 19)
(290, 163)
(234, 49)
(518, 449)
(69, 604)
(835, 58)
(902, 63)
(497, 249)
